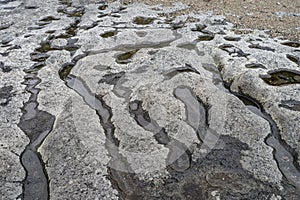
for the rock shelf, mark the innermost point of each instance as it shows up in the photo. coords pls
(105, 101)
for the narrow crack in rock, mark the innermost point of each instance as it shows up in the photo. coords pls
(179, 156)
(135, 47)
(255, 66)
(232, 38)
(290, 104)
(257, 46)
(36, 124)
(234, 51)
(285, 157)
(173, 72)
(295, 44)
(120, 172)
(293, 58)
(190, 174)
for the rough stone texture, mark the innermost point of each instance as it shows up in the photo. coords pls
(12, 139)
(249, 81)
(194, 137)
(76, 156)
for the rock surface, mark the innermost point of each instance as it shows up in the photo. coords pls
(114, 102)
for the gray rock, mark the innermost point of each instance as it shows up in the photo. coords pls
(5, 24)
(147, 106)
(76, 157)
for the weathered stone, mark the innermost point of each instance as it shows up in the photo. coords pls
(12, 139)
(145, 106)
(76, 157)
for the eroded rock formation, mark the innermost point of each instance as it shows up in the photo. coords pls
(101, 101)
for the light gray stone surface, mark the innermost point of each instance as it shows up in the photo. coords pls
(146, 105)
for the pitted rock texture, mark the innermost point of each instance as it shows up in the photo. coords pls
(146, 106)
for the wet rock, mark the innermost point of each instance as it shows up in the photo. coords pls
(109, 34)
(199, 27)
(219, 171)
(276, 102)
(187, 68)
(4, 54)
(5, 94)
(205, 37)
(257, 46)
(36, 183)
(231, 38)
(143, 20)
(45, 47)
(290, 104)
(124, 58)
(281, 77)
(153, 89)
(49, 19)
(102, 7)
(70, 139)
(142, 108)
(292, 44)
(5, 24)
(4, 68)
(179, 157)
(33, 127)
(39, 57)
(65, 70)
(255, 66)
(232, 50)
(112, 79)
(141, 33)
(293, 58)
